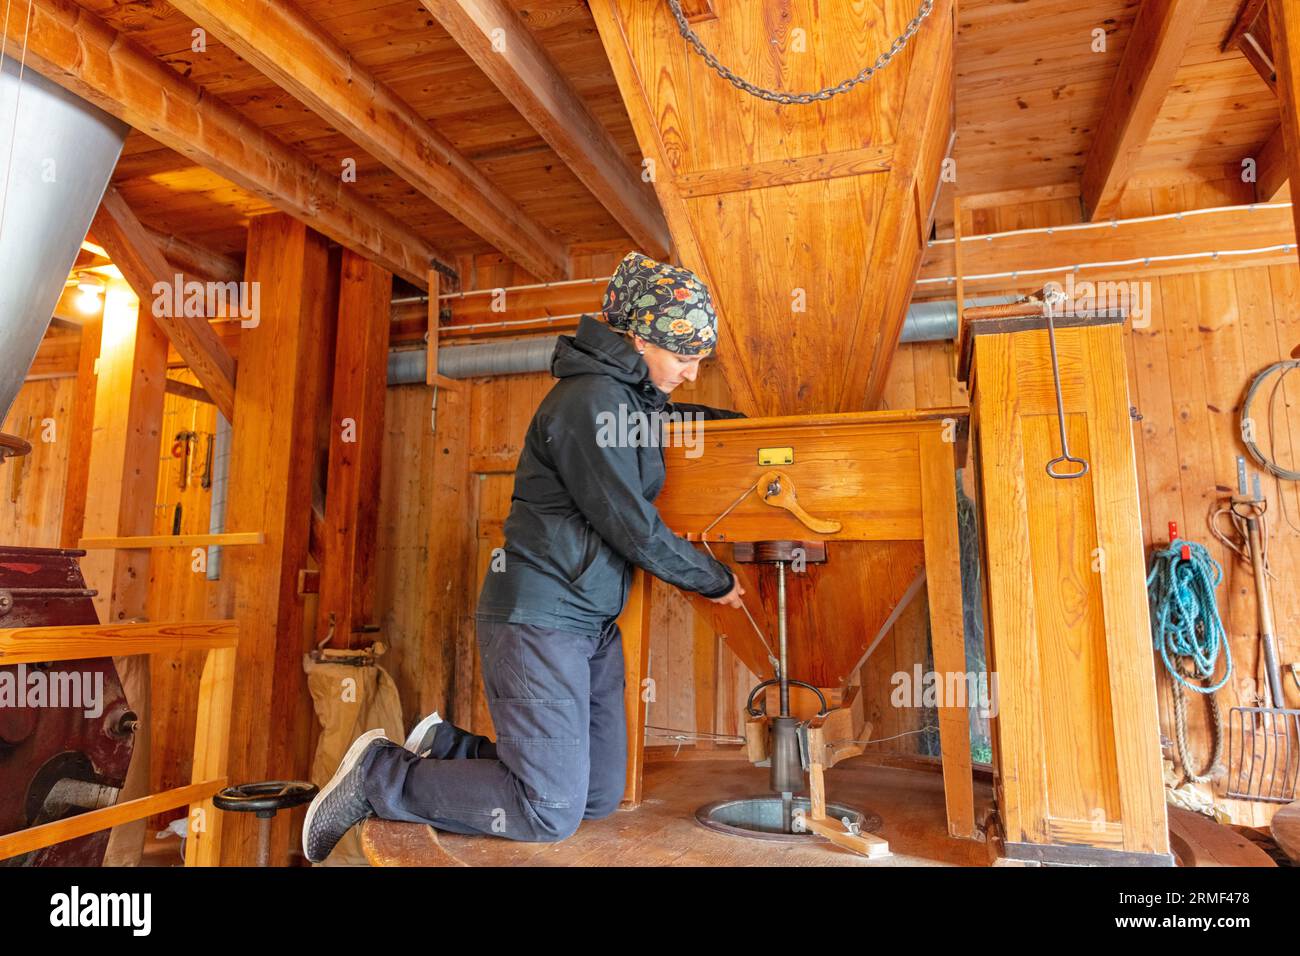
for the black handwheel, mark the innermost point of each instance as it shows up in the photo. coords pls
(267, 798)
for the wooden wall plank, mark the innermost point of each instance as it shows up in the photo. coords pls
(37, 490)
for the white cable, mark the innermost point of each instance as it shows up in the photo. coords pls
(504, 323)
(1141, 260)
(558, 283)
(1108, 223)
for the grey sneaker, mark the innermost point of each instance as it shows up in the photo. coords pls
(341, 803)
(420, 740)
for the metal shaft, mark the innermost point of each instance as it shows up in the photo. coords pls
(780, 623)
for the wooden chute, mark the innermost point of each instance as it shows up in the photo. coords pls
(807, 221)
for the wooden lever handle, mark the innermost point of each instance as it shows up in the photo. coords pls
(777, 490)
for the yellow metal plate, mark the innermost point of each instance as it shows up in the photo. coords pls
(776, 456)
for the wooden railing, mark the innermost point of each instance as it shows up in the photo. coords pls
(29, 645)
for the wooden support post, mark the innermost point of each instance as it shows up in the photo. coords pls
(947, 631)
(431, 343)
(124, 453)
(958, 266)
(1285, 24)
(451, 580)
(634, 623)
(432, 337)
(272, 450)
(211, 754)
(347, 582)
(79, 430)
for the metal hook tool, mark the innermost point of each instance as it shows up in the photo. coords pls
(1050, 298)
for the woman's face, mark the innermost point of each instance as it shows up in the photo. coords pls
(667, 369)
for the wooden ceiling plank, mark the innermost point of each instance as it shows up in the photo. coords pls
(77, 50)
(1151, 59)
(297, 54)
(142, 264)
(497, 40)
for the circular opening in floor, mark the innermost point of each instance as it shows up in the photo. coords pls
(759, 818)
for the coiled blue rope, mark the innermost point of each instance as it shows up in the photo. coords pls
(1186, 620)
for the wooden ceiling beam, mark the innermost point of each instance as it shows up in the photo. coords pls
(1250, 33)
(142, 264)
(1156, 45)
(1284, 20)
(1271, 170)
(196, 259)
(190, 258)
(498, 41)
(297, 54)
(80, 52)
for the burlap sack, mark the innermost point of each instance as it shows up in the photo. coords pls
(349, 700)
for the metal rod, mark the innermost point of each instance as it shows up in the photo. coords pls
(507, 288)
(780, 623)
(1049, 298)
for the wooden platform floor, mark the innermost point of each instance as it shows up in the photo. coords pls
(663, 832)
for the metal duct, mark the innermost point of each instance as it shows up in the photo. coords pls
(56, 155)
(470, 361)
(937, 321)
(926, 322)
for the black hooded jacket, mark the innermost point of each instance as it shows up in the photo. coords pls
(582, 512)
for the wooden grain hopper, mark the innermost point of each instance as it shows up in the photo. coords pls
(808, 221)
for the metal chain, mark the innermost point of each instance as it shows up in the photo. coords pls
(779, 96)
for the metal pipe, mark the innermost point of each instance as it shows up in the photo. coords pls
(217, 510)
(926, 322)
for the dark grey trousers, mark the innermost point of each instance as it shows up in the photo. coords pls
(560, 755)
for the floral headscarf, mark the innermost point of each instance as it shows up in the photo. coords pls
(663, 304)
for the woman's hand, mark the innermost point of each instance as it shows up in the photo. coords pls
(732, 597)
